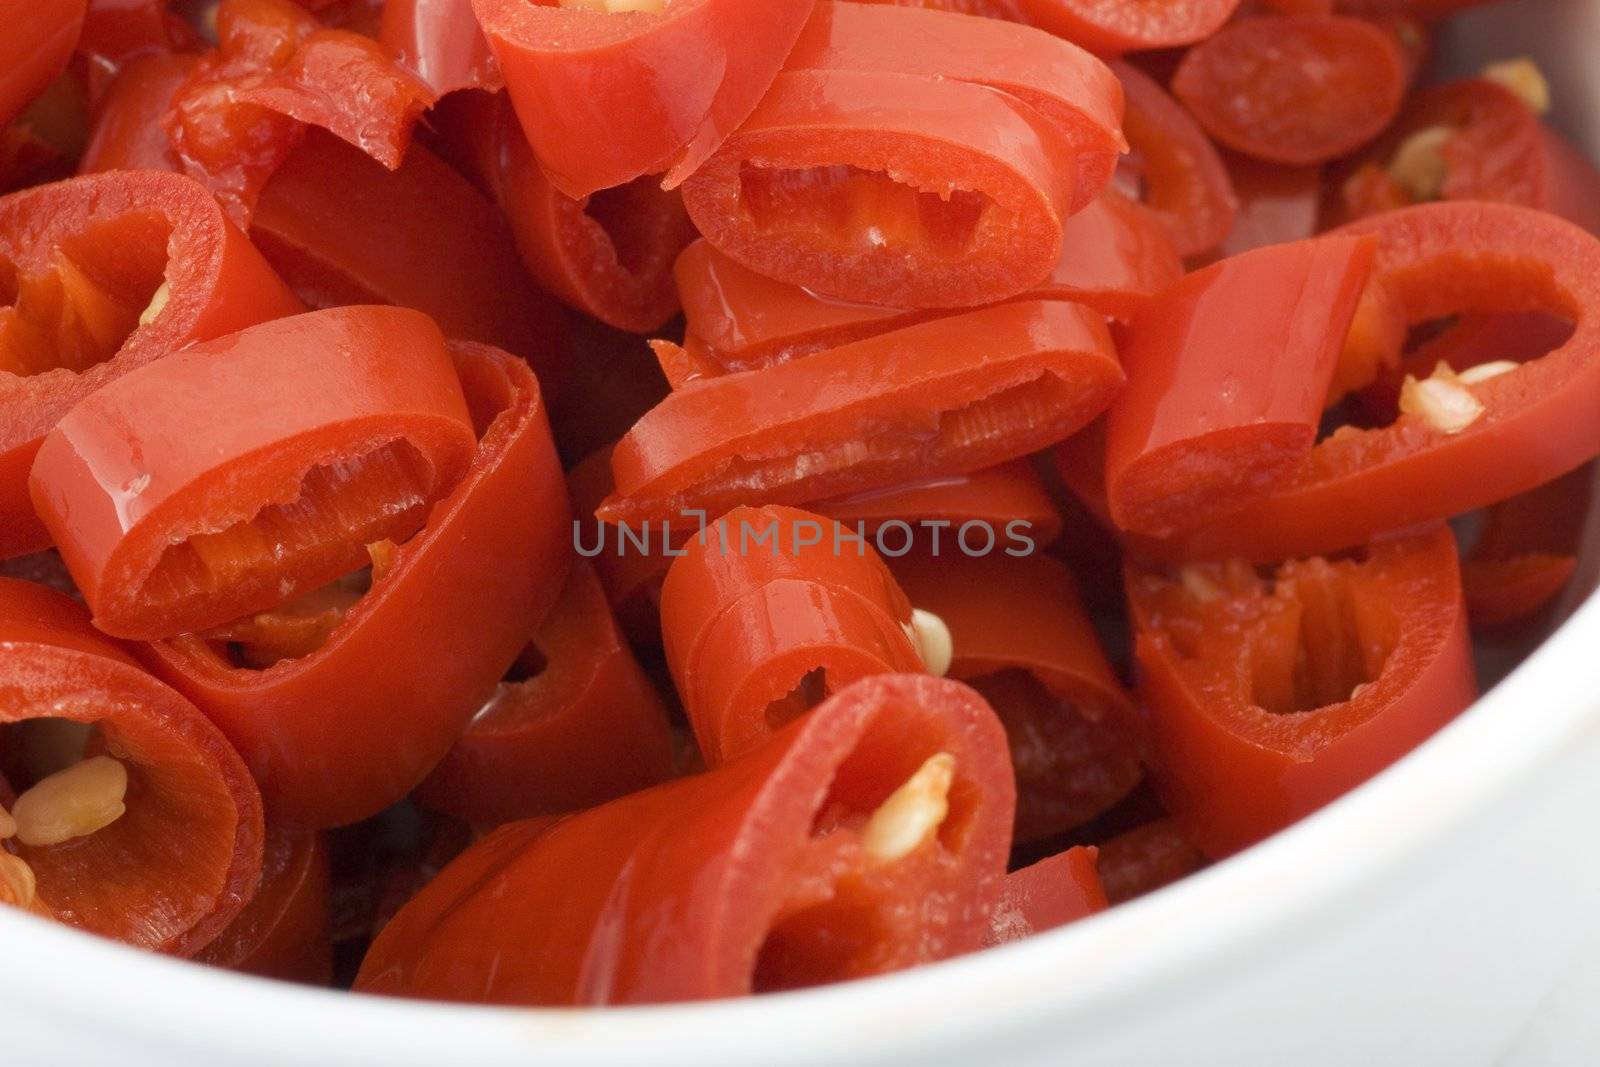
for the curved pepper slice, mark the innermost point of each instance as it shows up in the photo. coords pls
(943, 397)
(342, 229)
(1526, 550)
(128, 132)
(608, 254)
(1052, 892)
(575, 724)
(1069, 87)
(1009, 497)
(275, 71)
(84, 265)
(490, 561)
(1535, 423)
(297, 442)
(1221, 405)
(38, 41)
(1472, 139)
(1022, 640)
(1294, 89)
(1173, 168)
(766, 614)
(182, 859)
(867, 837)
(1112, 27)
(1146, 858)
(606, 97)
(886, 188)
(284, 931)
(117, 32)
(1268, 698)
(1115, 258)
(442, 41)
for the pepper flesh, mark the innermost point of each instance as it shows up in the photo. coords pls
(88, 255)
(1269, 698)
(607, 97)
(1540, 420)
(758, 866)
(1023, 641)
(491, 560)
(283, 932)
(179, 864)
(1220, 406)
(1048, 893)
(756, 636)
(302, 441)
(586, 727)
(38, 42)
(945, 397)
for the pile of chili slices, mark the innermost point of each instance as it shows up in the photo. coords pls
(623, 501)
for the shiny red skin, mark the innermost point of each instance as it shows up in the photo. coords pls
(490, 561)
(676, 456)
(743, 625)
(1244, 736)
(341, 228)
(39, 40)
(176, 868)
(605, 98)
(147, 228)
(722, 865)
(284, 931)
(1048, 893)
(1219, 406)
(129, 473)
(587, 728)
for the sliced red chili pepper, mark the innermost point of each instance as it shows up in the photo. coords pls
(608, 254)
(116, 32)
(1526, 550)
(300, 441)
(1052, 892)
(1145, 859)
(1173, 168)
(1110, 28)
(576, 723)
(766, 614)
(45, 141)
(1536, 422)
(275, 71)
(867, 837)
(1009, 498)
(606, 97)
(1472, 139)
(490, 561)
(342, 229)
(179, 863)
(127, 133)
(890, 189)
(1277, 204)
(1115, 257)
(1220, 406)
(104, 274)
(1268, 698)
(1023, 640)
(1070, 88)
(39, 40)
(442, 41)
(958, 394)
(1294, 89)
(284, 931)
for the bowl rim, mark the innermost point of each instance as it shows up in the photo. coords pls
(1089, 969)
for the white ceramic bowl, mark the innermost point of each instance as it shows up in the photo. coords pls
(1444, 914)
